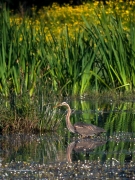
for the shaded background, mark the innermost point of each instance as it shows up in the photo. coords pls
(15, 4)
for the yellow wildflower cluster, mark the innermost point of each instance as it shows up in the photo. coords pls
(54, 19)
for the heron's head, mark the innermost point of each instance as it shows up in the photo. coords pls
(61, 104)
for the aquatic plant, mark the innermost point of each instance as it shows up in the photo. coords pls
(93, 57)
(25, 114)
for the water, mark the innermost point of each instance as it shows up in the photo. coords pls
(63, 155)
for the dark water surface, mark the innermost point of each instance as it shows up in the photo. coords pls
(63, 155)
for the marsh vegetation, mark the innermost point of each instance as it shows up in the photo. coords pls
(63, 51)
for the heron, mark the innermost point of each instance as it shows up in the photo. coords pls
(81, 128)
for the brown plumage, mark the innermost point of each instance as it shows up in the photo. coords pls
(81, 128)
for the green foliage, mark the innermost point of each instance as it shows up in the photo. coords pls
(28, 114)
(115, 53)
(96, 57)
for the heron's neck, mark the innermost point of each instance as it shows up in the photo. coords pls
(68, 123)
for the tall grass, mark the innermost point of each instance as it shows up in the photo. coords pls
(100, 57)
(96, 57)
(115, 53)
(26, 114)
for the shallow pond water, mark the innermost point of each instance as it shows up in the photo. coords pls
(63, 155)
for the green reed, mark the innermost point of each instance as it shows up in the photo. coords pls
(28, 114)
(115, 63)
(96, 58)
(100, 57)
(20, 62)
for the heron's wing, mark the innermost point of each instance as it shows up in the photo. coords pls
(87, 129)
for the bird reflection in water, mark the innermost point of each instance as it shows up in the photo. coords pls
(82, 145)
(81, 128)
